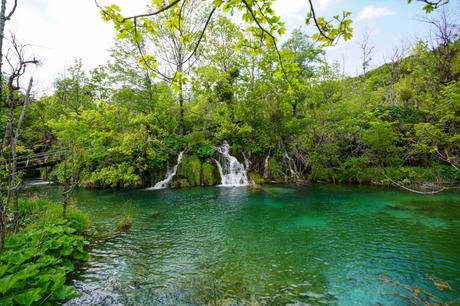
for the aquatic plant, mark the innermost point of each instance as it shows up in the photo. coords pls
(125, 224)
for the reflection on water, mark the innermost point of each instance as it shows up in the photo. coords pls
(272, 245)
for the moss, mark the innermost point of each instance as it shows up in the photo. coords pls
(210, 174)
(189, 173)
(181, 183)
(258, 178)
(276, 169)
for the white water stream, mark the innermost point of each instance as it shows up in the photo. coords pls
(169, 175)
(232, 172)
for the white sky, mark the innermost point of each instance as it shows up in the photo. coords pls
(61, 31)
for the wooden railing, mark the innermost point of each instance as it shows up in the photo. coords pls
(39, 160)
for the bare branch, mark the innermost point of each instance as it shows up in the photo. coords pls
(10, 14)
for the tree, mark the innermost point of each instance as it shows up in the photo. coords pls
(5, 16)
(300, 55)
(18, 63)
(366, 53)
(175, 46)
(445, 32)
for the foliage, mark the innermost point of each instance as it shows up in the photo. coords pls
(315, 123)
(36, 262)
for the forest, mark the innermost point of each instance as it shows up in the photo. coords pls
(298, 119)
(197, 81)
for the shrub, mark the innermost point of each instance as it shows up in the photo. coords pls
(35, 264)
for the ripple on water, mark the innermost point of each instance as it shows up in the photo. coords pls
(312, 245)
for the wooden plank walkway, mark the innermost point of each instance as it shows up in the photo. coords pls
(39, 160)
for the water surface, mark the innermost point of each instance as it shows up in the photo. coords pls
(338, 245)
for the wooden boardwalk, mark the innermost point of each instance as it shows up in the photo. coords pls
(40, 160)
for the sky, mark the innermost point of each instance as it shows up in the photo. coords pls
(60, 31)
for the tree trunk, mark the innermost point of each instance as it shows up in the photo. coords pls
(181, 100)
(14, 180)
(201, 174)
(181, 105)
(4, 17)
(2, 32)
(65, 193)
(294, 109)
(2, 223)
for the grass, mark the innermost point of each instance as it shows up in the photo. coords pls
(125, 224)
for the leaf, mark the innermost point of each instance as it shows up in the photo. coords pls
(28, 297)
(6, 283)
(64, 293)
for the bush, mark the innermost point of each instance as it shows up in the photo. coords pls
(35, 264)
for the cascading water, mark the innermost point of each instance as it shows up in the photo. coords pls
(232, 172)
(169, 175)
(291, 164)
(247, 162)
(266, 167)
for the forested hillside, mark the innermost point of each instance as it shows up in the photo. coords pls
(397, 122)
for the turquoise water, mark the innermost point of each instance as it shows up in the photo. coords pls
(338, 245)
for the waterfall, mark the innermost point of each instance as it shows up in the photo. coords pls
(232, 172)
(169, 175)
(266, 167)
(291, 164)
(247, 162)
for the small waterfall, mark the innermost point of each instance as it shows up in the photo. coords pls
(247, 162)
(266, 167)
(291, 164)
(169, 175)
(232, 172)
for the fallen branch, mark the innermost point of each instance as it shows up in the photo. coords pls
(417, 191)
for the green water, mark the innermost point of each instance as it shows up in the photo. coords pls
(303, 245)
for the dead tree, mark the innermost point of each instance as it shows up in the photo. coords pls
(18, 63)
(366, 53)
(14, 141)
(366, 58)
(5, 15)
(394, 62)
(445, 30)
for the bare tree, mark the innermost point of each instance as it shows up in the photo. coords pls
(14, 173)
(366, 53)
(4, 17)
(394, 61)
(445, 31)
(18, 63)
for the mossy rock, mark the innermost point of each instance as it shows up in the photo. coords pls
(189, 173)
(181, 183)
(258, 178)
(211, 174)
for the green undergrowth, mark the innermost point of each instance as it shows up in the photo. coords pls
(37, 262)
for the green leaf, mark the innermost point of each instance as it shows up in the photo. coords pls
(28, 297)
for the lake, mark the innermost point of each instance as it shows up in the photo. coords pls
(274, 245)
